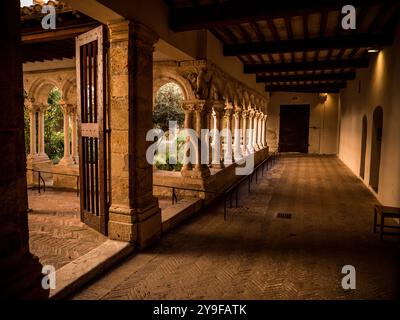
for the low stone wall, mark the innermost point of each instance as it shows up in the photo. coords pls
(65, 177)
(44, 165)
(219, 181)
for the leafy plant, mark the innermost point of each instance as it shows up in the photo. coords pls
(53, 127)
(168, 106)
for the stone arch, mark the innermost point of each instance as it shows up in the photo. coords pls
(245, 97)
(69, 91)
(376, 146)
(40, 89)
(228, 92)
(162, 77)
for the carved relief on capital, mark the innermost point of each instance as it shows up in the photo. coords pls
(40, 107)
(68, 108)
(252, 112)
(29, 105)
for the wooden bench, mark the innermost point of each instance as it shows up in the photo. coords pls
(385, 212)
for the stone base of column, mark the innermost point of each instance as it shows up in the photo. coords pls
(23, 278)
(38, 164)
(67, 161)
(69, 181)
(218, 165)
(237, 155)
(201, 172)
(76, 159)
(139, 226)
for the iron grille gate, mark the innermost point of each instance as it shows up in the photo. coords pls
(92, 127)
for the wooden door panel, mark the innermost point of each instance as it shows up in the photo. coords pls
(294, 128)
(92, 127)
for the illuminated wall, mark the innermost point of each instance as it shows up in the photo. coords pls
(323, 120)
(379, 85)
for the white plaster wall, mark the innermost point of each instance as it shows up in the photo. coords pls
(380, 86)
(323, 120)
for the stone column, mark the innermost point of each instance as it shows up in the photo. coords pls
(219, 156)
(32, 130)
(74, 136)
(41, 152)
(201, 110)
(260, 130)
(245, 114)
(250, 147)
(256, 130)
(265, 131)
(228, 156)
(67, 159)
(20, 271)
(188, 109)
(236, 149)
(134, 214)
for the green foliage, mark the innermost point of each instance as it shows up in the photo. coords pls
(53, 127)
(168, 106)
(163, 162)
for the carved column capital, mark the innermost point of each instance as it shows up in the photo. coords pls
(40, 107)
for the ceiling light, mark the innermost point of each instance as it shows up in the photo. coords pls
(373, 50)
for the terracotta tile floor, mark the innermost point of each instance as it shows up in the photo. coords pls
(255, 255)
(56, 234)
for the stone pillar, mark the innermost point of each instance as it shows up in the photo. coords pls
(250, 147)
(236, 149)
(134, 214)
(67, 159)
(228, 156)
(260, 130)
(188, 109)
(256, 130)
(245, 114)
(201, 110)
(20, 271)
(219, 156)
(265, 131)
(32, 130)
(74, 136)
(41, 152)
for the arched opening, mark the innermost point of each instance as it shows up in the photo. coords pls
(376, 144)
(363, 146)
(168, 108)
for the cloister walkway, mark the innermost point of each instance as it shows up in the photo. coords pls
(255, 255)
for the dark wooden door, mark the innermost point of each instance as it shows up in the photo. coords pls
(294, 127)
(92, 128)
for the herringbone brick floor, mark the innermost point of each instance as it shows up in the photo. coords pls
(255, 255)
(56, 234)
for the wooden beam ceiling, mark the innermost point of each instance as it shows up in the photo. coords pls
(290, 43)
(54, 35)
(231, 12)
(307, 66)
(308, 44)
(307, 77)
(328, 87)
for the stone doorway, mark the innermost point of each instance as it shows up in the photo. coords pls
(363, 146)
(376, 144)
(294, 128)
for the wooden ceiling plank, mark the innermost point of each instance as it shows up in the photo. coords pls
(234, 12)
(326, 43)
(308, 77)
(310, 65)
